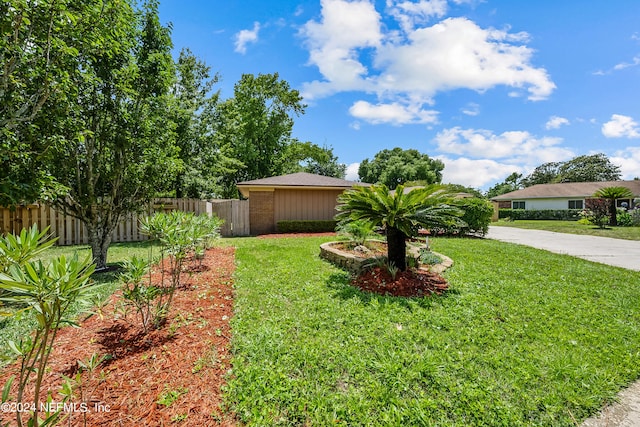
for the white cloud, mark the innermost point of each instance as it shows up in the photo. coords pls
(475, 173)
(621, 126)
(333, 45)
(352, 172)
(621, 66)
(472, 109)
(393, 113)
(517, 146)
(556, 122)
(354, 51)
(409, 14)
(245, 37)
(629, 162)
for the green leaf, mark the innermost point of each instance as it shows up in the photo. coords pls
(7, 389)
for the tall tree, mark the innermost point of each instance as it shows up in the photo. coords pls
(397, 166)
(309, 157)
(586, 168)
(193, 101)
(589, 168)
(511, 183)
(40, 42)
(256, 126)
(118, 147)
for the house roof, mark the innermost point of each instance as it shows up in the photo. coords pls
(567, 190)
(298, 180)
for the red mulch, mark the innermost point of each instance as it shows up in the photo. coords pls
(408, 283)
(279, 235)
(189, 355)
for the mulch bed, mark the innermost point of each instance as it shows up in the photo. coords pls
(408, 283)
(188, 358)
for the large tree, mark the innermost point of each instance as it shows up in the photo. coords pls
(399, 213)
(586, 168)
(310, 157)
(255, 127)
(397, 166)
(117, 146)
(511, 183)
(40, 42)
(194, 113)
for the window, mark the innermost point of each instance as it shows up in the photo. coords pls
(576, 204)
(517, 205)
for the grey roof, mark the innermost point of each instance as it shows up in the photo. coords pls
(567, 190)
(301, 179)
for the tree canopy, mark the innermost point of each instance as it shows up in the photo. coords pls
(397, 166)
(255, 126)
(586, 168)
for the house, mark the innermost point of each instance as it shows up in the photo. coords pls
(566, 195)
(297, 196)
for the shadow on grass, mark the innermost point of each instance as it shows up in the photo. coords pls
(339, 284)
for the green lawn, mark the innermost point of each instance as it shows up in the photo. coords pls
(628, 233)
(524, 337)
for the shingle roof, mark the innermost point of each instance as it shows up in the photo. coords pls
(301, 179)
(567, 189)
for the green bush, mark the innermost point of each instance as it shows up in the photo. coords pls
(477, 215)
(628, 218)
(543, 214)
(305, 226)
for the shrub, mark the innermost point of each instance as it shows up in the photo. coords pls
(305, 226)
(596, 211)
(625, 219)
(477, 215)
(429, 258)
(476, 218)
(49, 290)
(541, 214)
(178, 233)
(357, 231)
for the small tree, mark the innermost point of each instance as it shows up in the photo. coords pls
(596, 211)
(400, 214)
(612, 194)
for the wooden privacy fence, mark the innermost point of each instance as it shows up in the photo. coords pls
(71, 231)
(235, 214)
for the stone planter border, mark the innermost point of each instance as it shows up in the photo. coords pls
(355, 264)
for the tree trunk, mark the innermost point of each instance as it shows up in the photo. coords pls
(613, 214)
(397, 248)
(99, 240)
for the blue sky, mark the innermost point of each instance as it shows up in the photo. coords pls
(489, 87)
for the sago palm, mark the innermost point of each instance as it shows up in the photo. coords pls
(400, 214)
(612, 194)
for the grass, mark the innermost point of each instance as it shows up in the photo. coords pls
(524, 337)
(572, 227)
(15, 329)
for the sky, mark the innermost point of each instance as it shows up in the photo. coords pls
(489, 87)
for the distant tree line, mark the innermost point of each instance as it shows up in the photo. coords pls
(586, 168)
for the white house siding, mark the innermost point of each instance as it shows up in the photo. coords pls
(546, 204)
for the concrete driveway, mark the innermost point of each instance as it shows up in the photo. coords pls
(616, 252)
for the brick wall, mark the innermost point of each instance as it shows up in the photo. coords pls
(261, 212)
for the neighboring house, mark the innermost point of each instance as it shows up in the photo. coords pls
(566, 195)
(297, 196)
